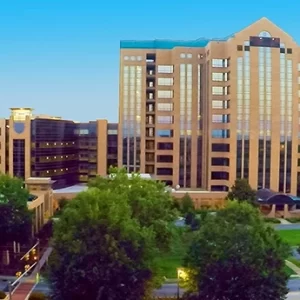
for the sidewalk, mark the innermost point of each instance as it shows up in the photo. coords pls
(42, 261)
(23, 290)
(293, 267)
(284, 222)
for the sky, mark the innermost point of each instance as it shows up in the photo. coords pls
(61, 57)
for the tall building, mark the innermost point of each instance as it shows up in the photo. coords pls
(66, 151)
(202, 113)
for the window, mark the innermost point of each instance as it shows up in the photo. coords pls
(220, 118)
(216, 147)
(189, 55)
(217, 90)
(289, 51)
(298, 67)
(164, 158)
(239, 48)
(165, 69)
(126, 57)
(219, 63)
(165, 146)
(165, 119)
(219, 161)
(282, 50)
(247, 48)
(220, 133)
(165, 94)
(218, 76)
(165, 106)
(164, 133)
(219, 104)
(165, 81)
(139, 58)
(182, 55)
(219, 175)
(164, 171)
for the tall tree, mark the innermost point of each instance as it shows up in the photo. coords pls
(107, 239)
(150, 203)
(235, 255)
(242, 191)
(16, 219)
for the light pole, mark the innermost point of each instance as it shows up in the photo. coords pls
(178, 273)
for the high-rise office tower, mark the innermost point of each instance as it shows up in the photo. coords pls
(202, 113)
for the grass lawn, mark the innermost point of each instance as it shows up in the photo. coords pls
(169, 262)
(292, 237)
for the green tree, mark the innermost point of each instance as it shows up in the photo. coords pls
(16, 219)
(235, 255)
(150, 203)
(242, 191)
(187, 204)
(107, 239)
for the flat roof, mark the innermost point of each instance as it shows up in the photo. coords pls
(71, 189)
(169, 44)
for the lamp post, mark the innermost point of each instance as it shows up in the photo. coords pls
(178, 277)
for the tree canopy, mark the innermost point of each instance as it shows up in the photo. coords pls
(242, 191)
(107, 238)
(235, 255)
(16, 219)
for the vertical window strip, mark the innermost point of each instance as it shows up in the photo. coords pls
(261, 142)
(199, 95)
(239, 116)
(246, 117)
(268, 124)
(132, 114)
(182, 142)
(289, 110)
(281, 184)
(138, 117)
(125, 114)
(188, 142)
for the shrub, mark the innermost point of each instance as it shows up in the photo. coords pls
(272, 220)
(2, 295)
(195, 224)
(187, 204)
(293, 220)
(37, 296)
(189, 218)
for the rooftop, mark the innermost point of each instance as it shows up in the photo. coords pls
(169, 44)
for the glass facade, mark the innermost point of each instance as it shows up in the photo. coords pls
(54, 151)
(19, 158)
(243, 114)
(186, 78)
(132, 101)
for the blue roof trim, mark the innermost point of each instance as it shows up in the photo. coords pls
(168, 44)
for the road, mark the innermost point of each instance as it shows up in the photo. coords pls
(171, 289)
(287, 227)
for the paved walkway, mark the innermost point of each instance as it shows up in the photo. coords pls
(23, 290)
(293, 267)
(283, 221)
(42, 261)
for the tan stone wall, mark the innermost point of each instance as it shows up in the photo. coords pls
(204, 199)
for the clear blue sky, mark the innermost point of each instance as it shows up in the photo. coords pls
(62, 57)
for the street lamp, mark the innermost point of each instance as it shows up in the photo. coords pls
(181, 274)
